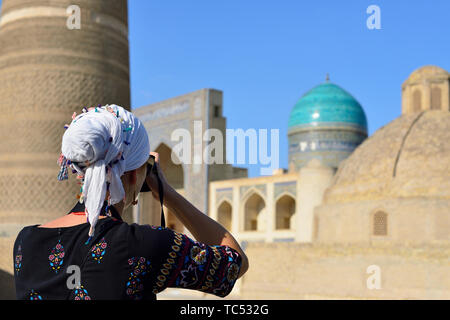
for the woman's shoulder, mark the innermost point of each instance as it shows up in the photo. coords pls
(146, 227)
(25, 232)
(149, 238)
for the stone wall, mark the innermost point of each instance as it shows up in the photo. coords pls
(411, 220)
(7, 287)
(309, 271)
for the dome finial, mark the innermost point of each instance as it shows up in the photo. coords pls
(327, 79)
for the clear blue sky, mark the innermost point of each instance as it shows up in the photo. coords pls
(264, 55)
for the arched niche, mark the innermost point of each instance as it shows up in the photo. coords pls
(417, 101)
(224, 215)
(254, 213)
(285, 210)
(150, 208)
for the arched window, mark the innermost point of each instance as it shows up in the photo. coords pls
(380, 223)
(436, 98)
(417, 101)
(254, 207)
(285, 209)
(224, 215)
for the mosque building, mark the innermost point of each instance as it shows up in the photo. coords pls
(324, 128)
(327, 124)
(379, 227)
(348, 203)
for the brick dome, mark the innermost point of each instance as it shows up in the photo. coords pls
(409, 157)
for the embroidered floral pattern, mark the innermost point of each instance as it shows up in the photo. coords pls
(56, 257)
(233, 272)
(134, 288)
(139, 268)
(198, 255)
(189, 277)
(35, 296)
(81, 294)
(99, 250)
(215, 265)
(18, 259)
(169, 265)
(194, 265)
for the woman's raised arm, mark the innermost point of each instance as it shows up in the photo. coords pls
(201, 226)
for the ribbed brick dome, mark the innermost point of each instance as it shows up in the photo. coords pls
(409, 157)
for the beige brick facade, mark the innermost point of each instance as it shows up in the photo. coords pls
(313, 271)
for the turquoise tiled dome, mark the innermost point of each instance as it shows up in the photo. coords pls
(327, 123)
(327, 105)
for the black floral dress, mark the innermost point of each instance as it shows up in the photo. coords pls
(121, 261)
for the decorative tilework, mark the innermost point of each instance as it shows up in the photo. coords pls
(327, 103)
(243, 190)
(163, 118)
(224, 194)
(289, 187)
(327, 123)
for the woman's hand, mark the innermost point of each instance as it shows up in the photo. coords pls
(152, 180)
(201, 226)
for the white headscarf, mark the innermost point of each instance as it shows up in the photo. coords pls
(109, 141)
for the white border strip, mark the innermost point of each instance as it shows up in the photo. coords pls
(51, 12)
(32, 12)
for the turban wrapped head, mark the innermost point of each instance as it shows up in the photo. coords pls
(100, 145)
